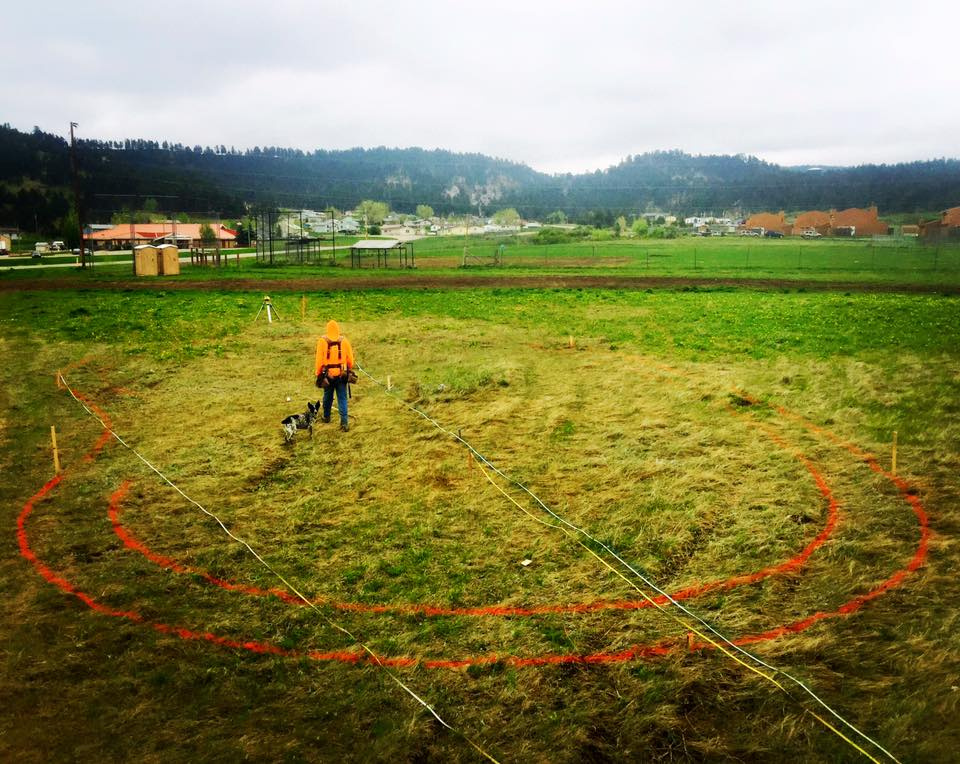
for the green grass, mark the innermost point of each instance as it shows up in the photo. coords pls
(647, 458)
(903, 260)
(893, 262)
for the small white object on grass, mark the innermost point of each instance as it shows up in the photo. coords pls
(525, 562)
(288, 399)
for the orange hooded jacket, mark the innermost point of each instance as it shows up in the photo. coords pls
(336, 358)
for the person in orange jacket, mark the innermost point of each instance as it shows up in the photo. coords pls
(334, 367)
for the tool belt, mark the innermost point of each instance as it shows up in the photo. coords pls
(324, 380)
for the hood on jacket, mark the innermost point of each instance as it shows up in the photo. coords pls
(333, 331)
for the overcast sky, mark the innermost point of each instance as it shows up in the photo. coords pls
(562, 87)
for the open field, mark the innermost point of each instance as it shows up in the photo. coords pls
(837, 261)
(732, 445)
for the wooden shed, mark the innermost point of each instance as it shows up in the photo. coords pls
(168, 260)
(145, 260)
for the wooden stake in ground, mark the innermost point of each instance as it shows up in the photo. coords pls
(570, 341)
(56, 453)
(893, 456)
(59, 381)
(303, 307)
(389, 386)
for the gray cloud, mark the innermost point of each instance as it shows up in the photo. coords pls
(560, 88)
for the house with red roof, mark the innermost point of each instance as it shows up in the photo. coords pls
(946, 227)
(768, 221)
(814, 220)
(857, 222)
(184, 235)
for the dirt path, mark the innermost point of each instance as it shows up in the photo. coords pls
(320, 284)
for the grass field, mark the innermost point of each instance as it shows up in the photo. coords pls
(864, 261)
(704, 435)
(825, 259)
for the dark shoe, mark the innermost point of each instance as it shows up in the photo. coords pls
(326, 420)
(344, 428)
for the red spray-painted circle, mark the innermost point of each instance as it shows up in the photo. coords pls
(632, 653)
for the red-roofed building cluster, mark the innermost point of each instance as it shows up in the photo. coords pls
(849, 222)
(183, 235)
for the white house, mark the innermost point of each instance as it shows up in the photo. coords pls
(348, 225)
(696, 222)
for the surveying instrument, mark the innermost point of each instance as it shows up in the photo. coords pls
(271, 310)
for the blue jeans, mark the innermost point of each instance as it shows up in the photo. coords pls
(341, 388)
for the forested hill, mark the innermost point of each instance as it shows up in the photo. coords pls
(35, 184)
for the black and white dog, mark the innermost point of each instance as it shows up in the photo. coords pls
(302, 421)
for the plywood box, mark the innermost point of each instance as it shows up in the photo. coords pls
(168, 260)
(145, 260)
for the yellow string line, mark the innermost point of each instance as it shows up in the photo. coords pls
(837, 732)
(675, 617)
(276, 573)
(480, 458)
(525, 511)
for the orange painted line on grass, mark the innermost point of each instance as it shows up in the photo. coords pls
(833, 516)
(633, 653)
(113, 512)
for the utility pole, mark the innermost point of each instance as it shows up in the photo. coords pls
(133, 243)
(76, 195)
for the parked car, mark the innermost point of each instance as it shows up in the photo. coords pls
(35, 255)
(811, 233)
(773, 234)
(58, 246)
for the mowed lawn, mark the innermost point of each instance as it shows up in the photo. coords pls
(734, 447)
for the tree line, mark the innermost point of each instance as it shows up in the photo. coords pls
(119, 175)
